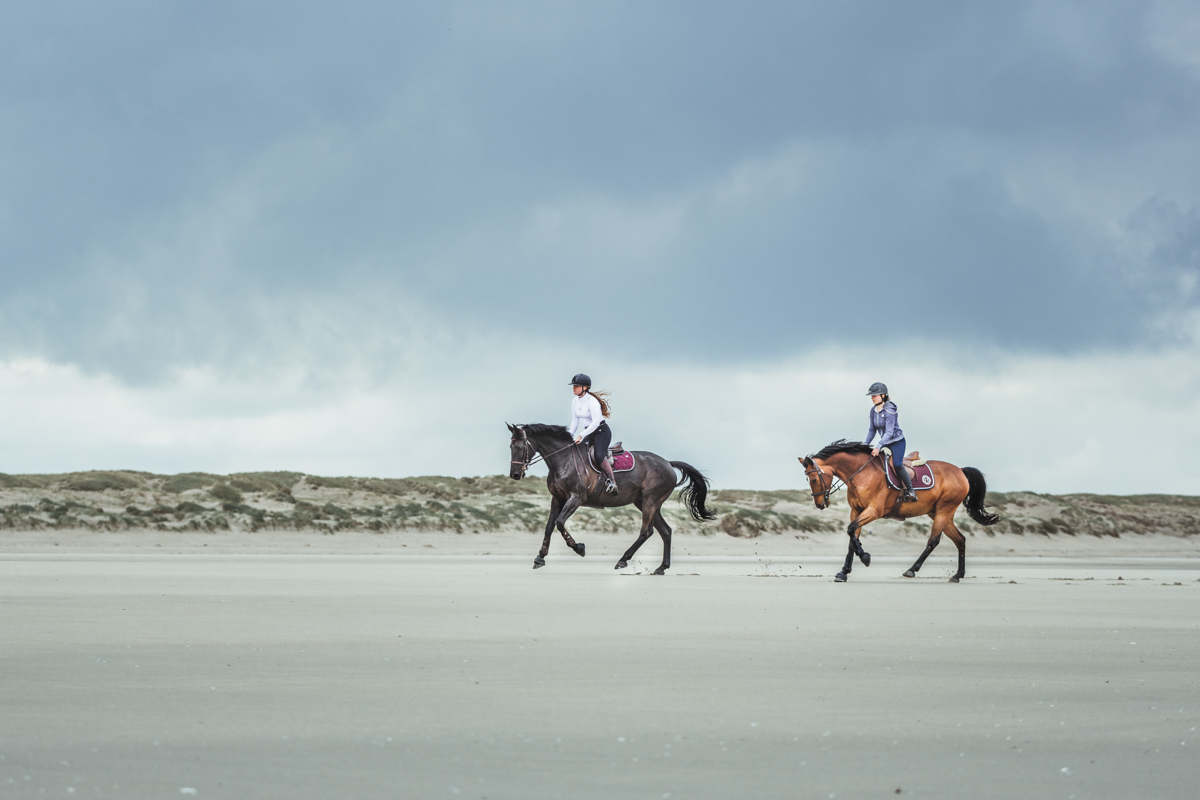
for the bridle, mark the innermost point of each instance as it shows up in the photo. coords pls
(531, 456)
(832, 488)
(527, 460)
(836, 484)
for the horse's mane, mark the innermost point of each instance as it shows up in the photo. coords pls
(841, 446)
(541, 429)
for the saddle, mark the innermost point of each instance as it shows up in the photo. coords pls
(920, 473)
(622, 459)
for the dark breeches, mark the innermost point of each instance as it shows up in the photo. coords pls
(600, 438)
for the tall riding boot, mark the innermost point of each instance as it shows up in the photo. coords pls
(909, 495)
(611, 485)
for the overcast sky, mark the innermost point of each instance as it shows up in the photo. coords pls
(357, 238)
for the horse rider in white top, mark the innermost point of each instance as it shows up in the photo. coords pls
(588, 424)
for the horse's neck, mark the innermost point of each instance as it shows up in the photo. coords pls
(551, 450)
(846, 465)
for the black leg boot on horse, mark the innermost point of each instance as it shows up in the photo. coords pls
(846, 567)
(855, 549)
(856, 545)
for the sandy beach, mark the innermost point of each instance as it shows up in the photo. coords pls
(308, 308)
(885, 538)
(274, 665)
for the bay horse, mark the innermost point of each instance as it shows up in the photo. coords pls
(871, 498)
(573, 483)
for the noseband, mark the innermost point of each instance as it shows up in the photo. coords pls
(828, 490)
(530, 451)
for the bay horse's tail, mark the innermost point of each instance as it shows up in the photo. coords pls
(974, 501)
(694, 494)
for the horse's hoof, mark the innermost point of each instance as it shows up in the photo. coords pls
(660, 571)
(839, 578)
(910, 574)
(621, 565)
(954, 579)
(538, 563)
(579, 548)
(865, 558)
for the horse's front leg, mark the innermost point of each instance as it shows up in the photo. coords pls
(855, 528)
(556, 504)
(849, 565)
(569, 507)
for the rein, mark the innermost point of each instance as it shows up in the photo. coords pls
(534, 457)
(836, 484)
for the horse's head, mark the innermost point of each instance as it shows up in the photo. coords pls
(521, 452)
(820, 482)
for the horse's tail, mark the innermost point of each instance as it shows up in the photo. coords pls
(694, 494)
(975, 496)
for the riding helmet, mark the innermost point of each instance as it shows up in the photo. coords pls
(581, 380)
(877, 388)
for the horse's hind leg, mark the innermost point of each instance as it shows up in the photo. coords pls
(960, 542)
(647, 529)
(942, 523)
(664, 530)
(916, 567)
(556, 505)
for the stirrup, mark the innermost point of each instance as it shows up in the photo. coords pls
(610, 486)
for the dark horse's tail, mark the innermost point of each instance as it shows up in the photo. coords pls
(695, 492)
(974, 501)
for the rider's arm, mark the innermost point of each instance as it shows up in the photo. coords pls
(870, 428)
(593, 407)
(574, 420)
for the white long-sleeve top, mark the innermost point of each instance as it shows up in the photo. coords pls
(585, 415)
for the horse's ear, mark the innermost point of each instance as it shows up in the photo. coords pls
(805, 460)
(511, 429)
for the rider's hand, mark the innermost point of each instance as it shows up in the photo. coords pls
(578, 439)
(874, 451)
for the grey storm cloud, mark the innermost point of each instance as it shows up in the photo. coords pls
(202, 183)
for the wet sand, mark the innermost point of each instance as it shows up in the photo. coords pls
(269, 676)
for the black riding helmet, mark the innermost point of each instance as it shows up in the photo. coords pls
(581, 380)
(877, 388)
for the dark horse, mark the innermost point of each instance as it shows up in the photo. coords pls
(871, 498)
(573, 484)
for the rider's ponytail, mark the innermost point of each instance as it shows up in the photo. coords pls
(603, 398)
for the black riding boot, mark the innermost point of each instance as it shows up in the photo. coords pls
(909, 495)
(611, 485)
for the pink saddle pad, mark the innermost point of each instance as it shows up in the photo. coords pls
(922, 479)
(622, 462)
